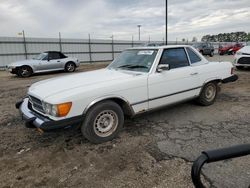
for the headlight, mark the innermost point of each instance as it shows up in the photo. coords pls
(57, 110)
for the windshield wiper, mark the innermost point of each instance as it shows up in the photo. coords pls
(133, 66)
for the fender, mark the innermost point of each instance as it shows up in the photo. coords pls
(106, 97)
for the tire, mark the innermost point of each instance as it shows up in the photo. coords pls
(24, 71)
(208, 94)
(202, 52)
(103, 122)
(211, 54)
(70, 67)
(240, 67)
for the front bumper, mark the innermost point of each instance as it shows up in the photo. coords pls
(232, 78)
(42, 122)
(12, 70)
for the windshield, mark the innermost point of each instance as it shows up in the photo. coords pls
(135, 60)
(41, 56)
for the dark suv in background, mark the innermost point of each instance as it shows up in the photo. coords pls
(205, 48)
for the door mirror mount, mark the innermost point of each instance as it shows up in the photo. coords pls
(162, 68)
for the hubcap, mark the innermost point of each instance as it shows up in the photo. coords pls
(210, 93)
(105, 123)
(25, 72)
(70, 67)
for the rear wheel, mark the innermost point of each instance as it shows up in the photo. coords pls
(24, 71)
(70, 67)
(208, 94)
(103, 122)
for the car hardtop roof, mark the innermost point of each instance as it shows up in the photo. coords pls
(157, 47)
(52, 51)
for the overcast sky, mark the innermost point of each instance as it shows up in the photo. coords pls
(102, 18)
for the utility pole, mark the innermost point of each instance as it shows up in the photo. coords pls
(166, 37)
(139, 30)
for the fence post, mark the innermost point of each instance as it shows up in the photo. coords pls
(90, 55)
(25, 47)
(113, 55)
(60, 42)
(132, 41)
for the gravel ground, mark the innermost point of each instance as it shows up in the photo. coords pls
(154, 150)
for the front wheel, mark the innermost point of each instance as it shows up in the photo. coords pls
(103, 122)
(208, 94)
(24, 71)
(70, 67)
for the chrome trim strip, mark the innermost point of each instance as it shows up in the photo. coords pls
(155, 98)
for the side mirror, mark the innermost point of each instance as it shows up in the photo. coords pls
(162, 67)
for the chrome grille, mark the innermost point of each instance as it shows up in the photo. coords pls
(36, 104)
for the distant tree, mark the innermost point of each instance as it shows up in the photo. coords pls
(194, 39)
(183, 40)
(227, 37)
(248, 37)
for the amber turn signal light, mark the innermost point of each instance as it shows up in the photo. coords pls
(63, 109)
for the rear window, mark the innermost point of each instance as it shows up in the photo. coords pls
(194, 58)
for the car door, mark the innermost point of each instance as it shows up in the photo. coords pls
(54, 61)
(173, 85)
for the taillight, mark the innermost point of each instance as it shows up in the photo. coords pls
(232, 71)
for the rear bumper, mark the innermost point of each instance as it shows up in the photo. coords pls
(232, 78)
(39, 121)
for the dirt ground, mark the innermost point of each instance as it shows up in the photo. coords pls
(154, 150)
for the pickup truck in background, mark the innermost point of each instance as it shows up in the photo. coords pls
(139, 80)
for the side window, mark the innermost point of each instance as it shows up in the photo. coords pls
(194, 58)
(62, 55)
(175, 57)
(54, 55)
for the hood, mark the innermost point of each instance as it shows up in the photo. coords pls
(23, 62)
(46, 88)
(245, 49)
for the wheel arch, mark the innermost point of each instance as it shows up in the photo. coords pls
(121, 101)
(32, 68)
(70, 61)
(217, 80)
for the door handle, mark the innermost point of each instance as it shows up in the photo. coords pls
(195, 73)
(58, 61)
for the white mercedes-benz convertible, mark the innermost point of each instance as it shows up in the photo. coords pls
(139, 80)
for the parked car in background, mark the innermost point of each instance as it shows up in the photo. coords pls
(242, 58)
(205, 48)
(224, 49)
(235, 48)
(153, 44)
(139, 80)
(44, 62)
(230, 49)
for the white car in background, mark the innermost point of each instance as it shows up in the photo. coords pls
(44, 62)
(242, 58)
(139, 80)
